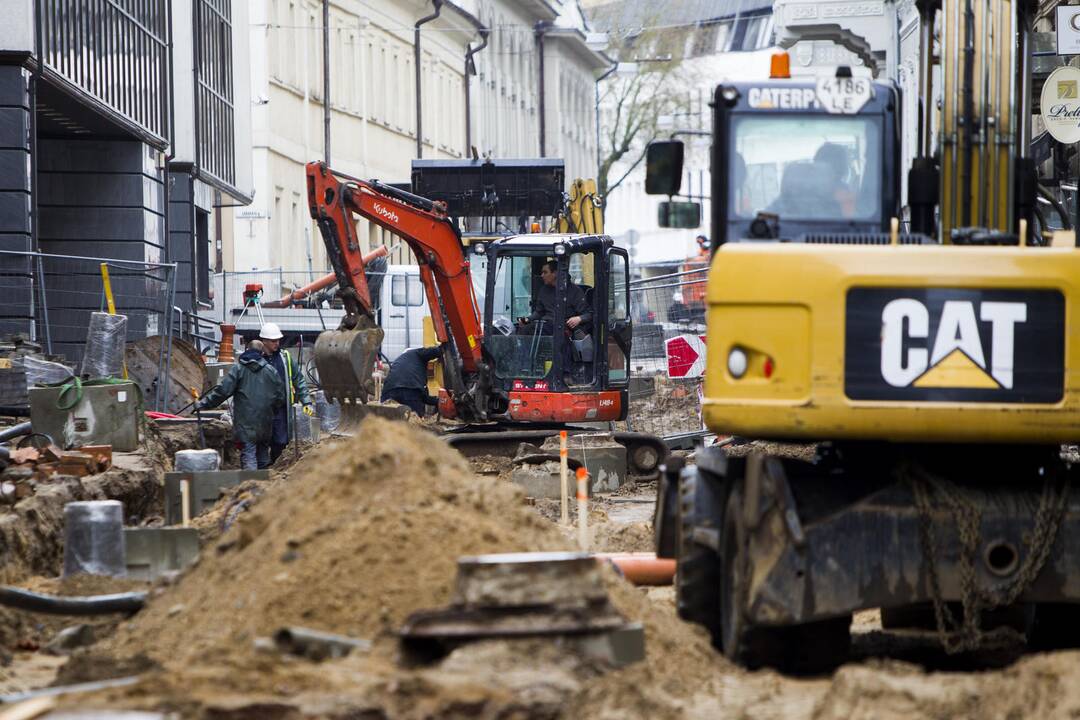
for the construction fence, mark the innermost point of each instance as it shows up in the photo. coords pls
(665, 395)
(49, 298)
(664, 307)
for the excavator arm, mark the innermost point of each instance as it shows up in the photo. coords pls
(444, 271)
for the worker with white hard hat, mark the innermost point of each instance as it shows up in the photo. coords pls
(257, 395)
(289, 371)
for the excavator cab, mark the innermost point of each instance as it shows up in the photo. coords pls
(557, 330)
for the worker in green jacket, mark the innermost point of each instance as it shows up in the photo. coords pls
(292, 378)
(257, 393)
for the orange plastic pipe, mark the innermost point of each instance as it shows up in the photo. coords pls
(324, 281)
(642, 568)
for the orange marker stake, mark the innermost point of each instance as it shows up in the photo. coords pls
(565, 481)
(583, 508)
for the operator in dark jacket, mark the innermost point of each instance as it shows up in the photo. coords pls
(577, 310)
(257, 391)
(406, 383)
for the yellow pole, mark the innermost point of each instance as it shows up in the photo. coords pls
(108, 288)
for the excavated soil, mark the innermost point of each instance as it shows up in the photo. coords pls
(366, 531)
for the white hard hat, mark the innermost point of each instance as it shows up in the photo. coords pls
(270, 331)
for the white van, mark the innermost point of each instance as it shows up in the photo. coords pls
(402, 309)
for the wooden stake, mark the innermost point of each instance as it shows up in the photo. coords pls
(583, 508)
(185, 502)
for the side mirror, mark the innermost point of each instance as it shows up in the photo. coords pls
(663, 167)
(683, 215)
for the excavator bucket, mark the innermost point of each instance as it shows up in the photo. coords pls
(345, 360)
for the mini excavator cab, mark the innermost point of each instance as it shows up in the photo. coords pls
(557, 326)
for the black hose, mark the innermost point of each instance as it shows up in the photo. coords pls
(130, 602)
(1066, 222)
(16, 431)
(15, 410)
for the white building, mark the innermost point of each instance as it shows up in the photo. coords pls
(373, 101)
(373, 119)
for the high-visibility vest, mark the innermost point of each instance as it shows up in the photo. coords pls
(288, 379)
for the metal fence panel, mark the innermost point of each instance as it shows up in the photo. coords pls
(59, 292)
(664, 307)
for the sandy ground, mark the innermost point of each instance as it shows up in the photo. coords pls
(361, 532)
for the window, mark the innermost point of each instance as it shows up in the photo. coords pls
(618, 312)
(617, 287)
(406, 290)
(517, 354)
(807, 167)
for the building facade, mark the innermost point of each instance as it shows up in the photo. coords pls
(483, 90)
(99, 157)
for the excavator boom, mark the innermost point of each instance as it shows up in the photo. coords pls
(345, 357)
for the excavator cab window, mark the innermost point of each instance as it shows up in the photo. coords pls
(618, 315)
(519, 344)
(579, 301)
(821, 168)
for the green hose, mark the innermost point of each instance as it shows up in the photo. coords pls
(77, 384)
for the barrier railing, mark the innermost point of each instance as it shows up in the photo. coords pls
(49, 297)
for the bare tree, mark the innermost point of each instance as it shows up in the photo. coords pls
(632, 105)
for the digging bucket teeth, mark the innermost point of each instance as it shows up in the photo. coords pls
(345, 360)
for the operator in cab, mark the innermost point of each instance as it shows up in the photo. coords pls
(542, 318)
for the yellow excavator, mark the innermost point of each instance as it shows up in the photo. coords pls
(924, 356)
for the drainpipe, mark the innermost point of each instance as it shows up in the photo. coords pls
(327, 110)
(416, 62)
(470, 70)
(541, 29)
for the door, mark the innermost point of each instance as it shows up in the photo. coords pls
(619, 325)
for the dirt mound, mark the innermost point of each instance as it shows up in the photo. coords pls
(362, 535)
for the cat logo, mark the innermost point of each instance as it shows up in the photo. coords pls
(956, 358)
(955, 345)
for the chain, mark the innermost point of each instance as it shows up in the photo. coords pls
(964, 507)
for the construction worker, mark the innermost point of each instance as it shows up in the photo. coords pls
(690, 297)
(257, 394)
(406, 383)
(577, 310)
(295, 388)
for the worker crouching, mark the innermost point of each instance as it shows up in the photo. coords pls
(258, 394)
(406, 382)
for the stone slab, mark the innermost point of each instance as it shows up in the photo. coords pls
(152, 552)
(206, 488)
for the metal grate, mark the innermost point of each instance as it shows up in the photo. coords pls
(863, 239)
(214, 110)
(114, 51)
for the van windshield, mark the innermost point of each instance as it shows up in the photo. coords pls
(806, 167)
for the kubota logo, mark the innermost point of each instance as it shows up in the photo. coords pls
(956, 357)
(386, 212)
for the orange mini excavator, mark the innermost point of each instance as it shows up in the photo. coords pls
(508, 378)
